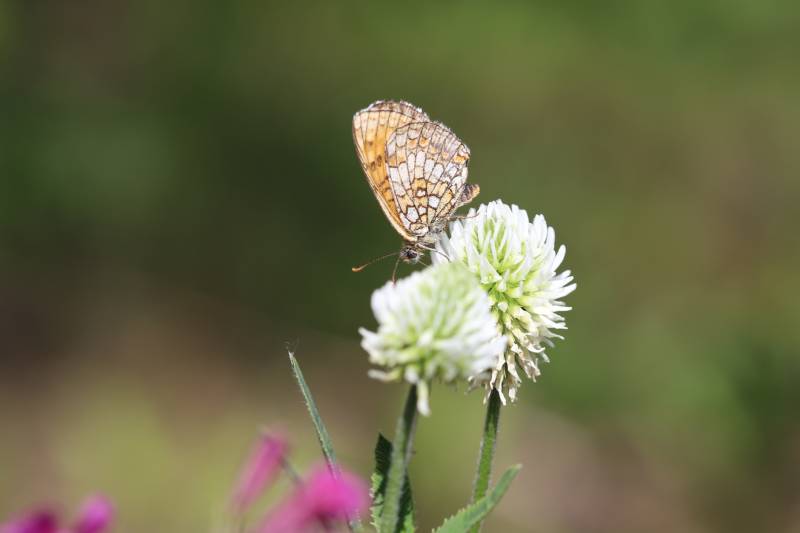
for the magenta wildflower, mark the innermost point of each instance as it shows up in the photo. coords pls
(36, 522)
(323, 500)
(95, 515)
(260, 470)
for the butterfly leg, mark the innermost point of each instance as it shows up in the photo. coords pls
(432, 249)
(394, 272)
(462, 217)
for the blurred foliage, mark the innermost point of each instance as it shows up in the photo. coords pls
(179, 195)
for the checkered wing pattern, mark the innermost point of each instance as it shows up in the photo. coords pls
(427, 167)
(372, 127)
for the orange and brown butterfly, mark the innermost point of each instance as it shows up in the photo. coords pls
(417, 169)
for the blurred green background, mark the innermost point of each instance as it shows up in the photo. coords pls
(179, 196)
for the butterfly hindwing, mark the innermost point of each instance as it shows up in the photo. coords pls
(449, 190)
(427, 165)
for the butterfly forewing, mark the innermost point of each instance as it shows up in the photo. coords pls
(371, 129)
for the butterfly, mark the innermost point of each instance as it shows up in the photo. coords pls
(417, 169)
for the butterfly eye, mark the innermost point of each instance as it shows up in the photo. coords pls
(409, 255)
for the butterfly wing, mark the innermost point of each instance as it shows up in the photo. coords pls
(427, 166)
(451, 190)
(371, 129)
(471, 190)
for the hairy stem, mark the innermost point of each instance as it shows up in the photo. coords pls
(401, 453)
(488, 444)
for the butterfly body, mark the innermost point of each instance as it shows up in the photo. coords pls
(417, 169)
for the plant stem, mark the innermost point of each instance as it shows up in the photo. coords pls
(401, 453)
(488, 444)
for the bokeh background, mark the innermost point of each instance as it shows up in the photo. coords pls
(179, 197)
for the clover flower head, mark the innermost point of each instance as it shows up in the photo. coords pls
(516, 262)
(434, 324)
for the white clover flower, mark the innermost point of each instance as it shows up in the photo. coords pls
(434, 324)
(516, 261)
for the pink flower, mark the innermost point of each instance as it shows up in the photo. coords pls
(95, 515)
(322, 500)
(36, 522)
(260, 471)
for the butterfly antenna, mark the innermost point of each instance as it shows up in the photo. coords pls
(368, 263)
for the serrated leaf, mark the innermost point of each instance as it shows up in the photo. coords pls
(383, 457)
(474, 513)
(383, 454)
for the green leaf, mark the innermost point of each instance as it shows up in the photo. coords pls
(322, 433)
(383, 454)
(467, 517)
(383, 457)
